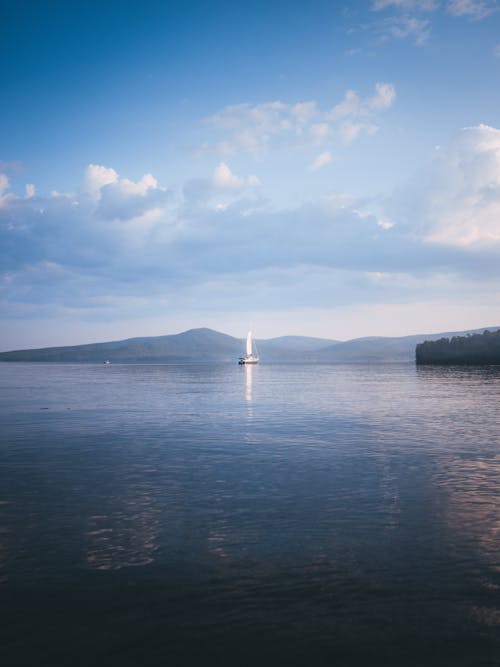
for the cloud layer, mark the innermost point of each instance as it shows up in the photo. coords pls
(120, 245)
(457, 202)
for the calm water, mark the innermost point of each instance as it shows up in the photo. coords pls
(305, 515)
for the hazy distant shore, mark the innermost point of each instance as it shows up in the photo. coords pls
(199, 345)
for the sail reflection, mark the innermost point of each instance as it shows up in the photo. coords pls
(248, 383)
(249, 435)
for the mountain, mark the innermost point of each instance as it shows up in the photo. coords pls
(192, 345)
(380, 349)
(292, 348)
(199, 345)
(195, 345)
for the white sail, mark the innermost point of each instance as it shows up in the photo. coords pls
(251, 356)
(249, 344)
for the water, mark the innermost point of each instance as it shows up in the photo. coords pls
(299, 515)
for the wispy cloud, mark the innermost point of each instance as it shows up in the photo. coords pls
(406, 27)
(14, 167)
(255, 129)
(406, 21)
(407, 5)
(353, 106)
(385, 94)
(349, 131)
(320, 160)
(4, 183)
(475, 9)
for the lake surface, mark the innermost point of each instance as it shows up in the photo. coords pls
(276, 515)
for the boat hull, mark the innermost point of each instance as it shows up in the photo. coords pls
(243, 361)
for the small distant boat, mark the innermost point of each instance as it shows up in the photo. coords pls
(106, 362)
(250, 357)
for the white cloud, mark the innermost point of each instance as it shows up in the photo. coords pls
(4, 183)
(267, 116)
(403, 27)
(97, 177)
(303, 111)
(384, 97)
(256, 128)
(403, 18)
(252, 126)
(147, 219)
(350, 106)
(119, 198)
(457, 203)
(385, 224)
(253, 181)
(419, 5)
(349, 131)
(138, 245)
(30, 190)
(476, 9)
(319, 132)
(338, 201)
(147, 182)
(320, 160)
(56, 193)
(224, 179)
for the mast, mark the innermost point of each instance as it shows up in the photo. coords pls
(249, 344)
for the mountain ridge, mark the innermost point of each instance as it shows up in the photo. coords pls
(204, 344)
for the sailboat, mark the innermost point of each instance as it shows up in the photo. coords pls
(250, 357)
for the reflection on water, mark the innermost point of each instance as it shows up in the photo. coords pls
(6, 551)
(127, 535)
(353, 511)
(249, 370)
(248, 382)
(472, 508)
(216, 541)
(389, 483)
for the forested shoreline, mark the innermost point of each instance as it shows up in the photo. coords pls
(471, 349)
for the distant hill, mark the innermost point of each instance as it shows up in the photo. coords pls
(192, 345)
(195, 345)
(199, 345)
(303, 343)
(380, 349)
(292, 348)
(472, 349)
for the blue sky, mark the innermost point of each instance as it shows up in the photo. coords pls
(319, 168)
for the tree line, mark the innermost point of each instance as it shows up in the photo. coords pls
(471, 349)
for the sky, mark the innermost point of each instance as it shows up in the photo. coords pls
(327, 169)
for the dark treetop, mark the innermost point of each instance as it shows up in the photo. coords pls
(471, 349)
